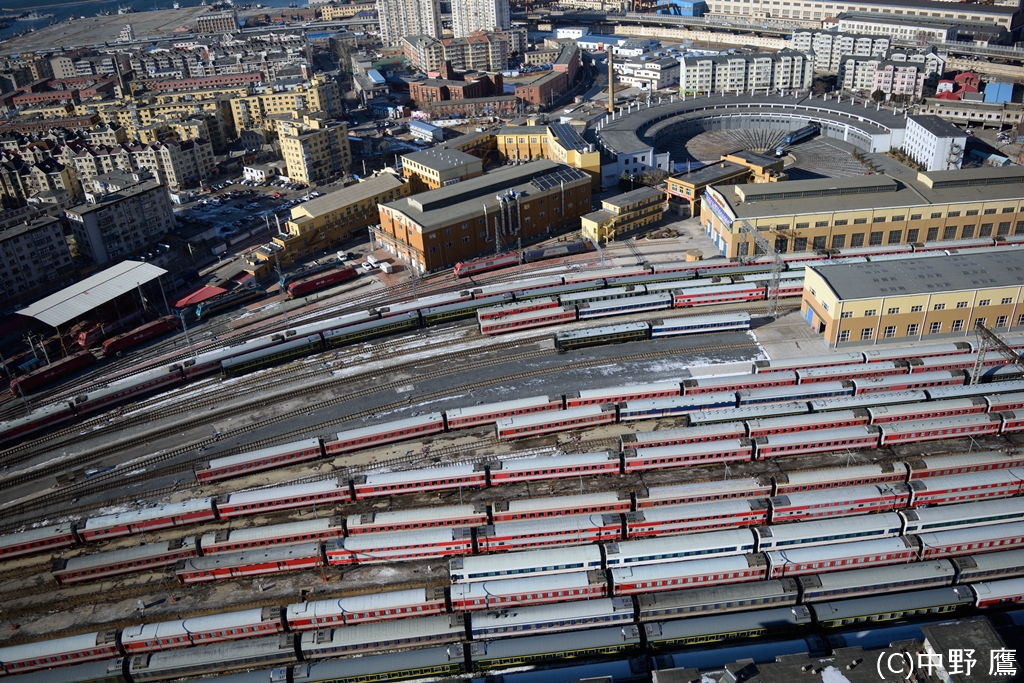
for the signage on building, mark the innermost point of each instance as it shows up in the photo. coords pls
(716, 208)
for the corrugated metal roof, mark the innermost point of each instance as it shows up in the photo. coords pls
(82, 297)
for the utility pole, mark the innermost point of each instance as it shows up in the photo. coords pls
(987, 338)
(778, 265)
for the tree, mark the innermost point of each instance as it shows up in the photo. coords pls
(878, 95)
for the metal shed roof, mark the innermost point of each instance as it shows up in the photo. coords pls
(82, 297)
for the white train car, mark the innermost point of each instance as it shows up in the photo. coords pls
(828, 558)
(828, 531)
(873, 580)
(720, 543)
(539, 562)
(962, 515)
(572, 616)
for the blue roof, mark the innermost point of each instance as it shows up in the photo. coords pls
(375, 76)
(423, 125)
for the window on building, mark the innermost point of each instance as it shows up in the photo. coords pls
(953, 214)
(936, 215)
(933, 235)
(949, 233)
(939, 307)
(968, 232)
(870, 313)
(433, 250)
(912, 235)
(969, 212)
(838, 241)
(889, 332)
(1006, 300)
(821, 224)
(450, 244)
(979, 322)
(915, 216)
(875, 239)
(465, 240)
(844, 336)
(843, 221)
(801, 226)
(860, 221)
(857, 240)
(1002, 320)
(1008, 209)
(984, 302)
(894, 310)
(878, 219)
(935, 328)
(961, 304)
(846, 314)
(986, 230)
(895, 236)
(1004, 228)
(800, 244)
(916, 309)
(912, 330)
(958, 326)
(1019, 229)
(867, 333)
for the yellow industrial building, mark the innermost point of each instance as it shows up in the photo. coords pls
(624, 213)
(558, 142)
(914, 299)
(436, 167)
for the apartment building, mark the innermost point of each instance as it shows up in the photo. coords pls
(897, 72)
(935, 144)
(558, 142)
(437, 167)
(783, 70)
(469, 16)
(33, 252)
(831, 48)
(121, 223)
(314, 148)
(651, 73)
(253, 111)
(176, 163)
(623, 214)
(224, 21)
(400, 18)
(479, 51)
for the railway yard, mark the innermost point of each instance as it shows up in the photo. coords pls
(402, 488)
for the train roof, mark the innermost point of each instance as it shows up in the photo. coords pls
(545, 525)
(731, 379)
(555, 642)
(901, 409)
(941, 423)
(880, 366)
(862, 251)
(837, 550)
(528, 315)
(170, 509)
(179, 627)
(417, 421)
(55, 646)
(601, 331)
(249, 456)
(101, 670)
(103, 559)
(820, 497)
(357, 603)
(554, 461)
(371, 324)
(427, 473)
(35, 415)
(986, 562)
(624, 271)
(231, 351)
(333, 323)
(30, 535)
(726, 289)
(917, 377)
(631, 291)
(703, 319)
(521, 285)
(962, 390)
(285, 346)
(393, 630)
(523, 584)
(703, 488)
(801, 437)
(394, 539)
(218, 653)
(748, 412)
(805, 477)
(140, 378)
(851, 358)
(736, 593)
(690, 448)
(711, 508)
(628, 389)
(521, 562)
(424, 302)
(516, 617)
(731, 621)
(563, 502)
(667, 547)
(673, 285)
(654, 572)
(970, 535)
(440, 512)
(893, 602)
(543, 418)
(913, 572)
(1006, 590)
(868, 401)
(472, 303)
(790, 390)
(371, 665)
(695, 400)
(601, 305)
(789, 534)
(810, 419)
(280, 553)
(640, 438)
(275, 493)
(271, 531)
(985, 478)
(514, 305)
(487, 408)
(933, 462)
(952, 515)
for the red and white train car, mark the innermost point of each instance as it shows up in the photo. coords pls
(691, 517)
(711, 384)
(535, 533)
(125, 561)
(557, 421)
(820, 441)
(911, 382)
(682, 455)
(931, 410)
(553, 467)
(37, 540)
(528, 590)
(400, 546)
(474, 416)
(804, 362)
(18, 659)
(841, 556)
(592, 275)
(998, 403)
(688, 573)
(839, 477)
(853, 500)
(1003, 592)
(249, 563)
(192, 511)
(258, 461)
(978, 461)
(636, 392)
(959, 488)
(553, 506)
(672, 437)
(981, 539)
(525, 321)
(283, 498)
(944, 428)
(845, 372)
(414, 602)
(703, 491)
(960, 361)
(233, 540)
(1012, 421)
(170, 635)
(927, 351)
(389, 432)
(469, 515)
(790, 424)
(516, 308)
(726, 294)
(428, 479)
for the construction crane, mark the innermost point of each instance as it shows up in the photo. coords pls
(778, 265)
(987, 338)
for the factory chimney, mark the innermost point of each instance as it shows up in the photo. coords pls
(611, 84)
